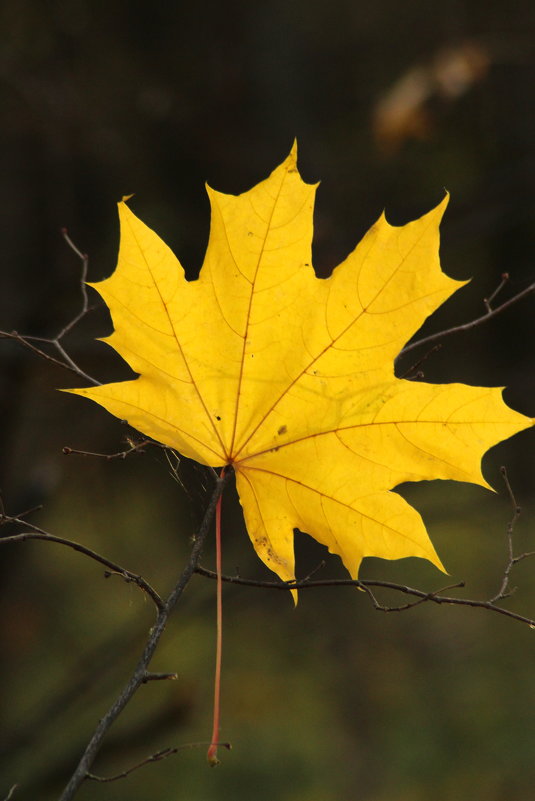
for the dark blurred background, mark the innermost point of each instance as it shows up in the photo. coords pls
(390, 103)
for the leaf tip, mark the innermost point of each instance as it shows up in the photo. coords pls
(74, 391)
(443, 205)
(437, 562)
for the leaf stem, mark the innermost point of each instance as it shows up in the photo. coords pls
(211, 755)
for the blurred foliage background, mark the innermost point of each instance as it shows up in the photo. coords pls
(390, 102)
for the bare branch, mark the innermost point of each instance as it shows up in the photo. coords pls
(506, 590)
(428, 597)
(157, 757)
(163, 754)
(488, 301)
(135, 447)
(413, 371)
(26, 341)
(84, 258)
(36, 533)
(65, 361)
(81, 772)
(15, 787)
(159, 677)
(365, 584)
(458, 329)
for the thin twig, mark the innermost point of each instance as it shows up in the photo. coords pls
(160, 677)
(11, 791)
(25, 341)
(363, 584)
(163, 754)
(428, 597)
(505, 589)
(315, 570)
(84, 258)
(458, 329)
(36, 533)
(157, 757)
(488, 301)
(66, 362)
(81, 772)
(413, 371)
(134, 448)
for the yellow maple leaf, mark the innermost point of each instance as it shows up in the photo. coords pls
(289, 378)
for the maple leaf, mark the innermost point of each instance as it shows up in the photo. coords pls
(289, 378)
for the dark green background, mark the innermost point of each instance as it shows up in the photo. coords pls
(332, 700)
